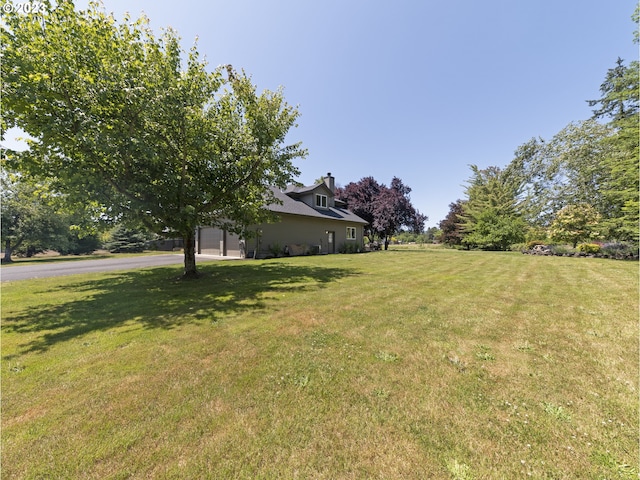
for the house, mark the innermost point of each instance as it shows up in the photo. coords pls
(311, 220)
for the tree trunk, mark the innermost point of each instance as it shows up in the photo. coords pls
(190, 270)
(7, 252)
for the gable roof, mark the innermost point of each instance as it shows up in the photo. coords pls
(294, 191)
(293, 206)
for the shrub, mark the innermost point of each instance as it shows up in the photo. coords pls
(589, 248)
(619, 250)
(349, 248)
(275, 249)
(561, 249)
(537, 234)
(77, 245)
(533, 243)
(519, 247)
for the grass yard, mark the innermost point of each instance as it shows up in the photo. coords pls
(401, 364)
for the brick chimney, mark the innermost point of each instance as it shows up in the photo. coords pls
(330, 182)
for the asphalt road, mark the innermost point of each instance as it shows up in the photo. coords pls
(73, 267)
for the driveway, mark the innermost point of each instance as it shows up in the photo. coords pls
(73, 267)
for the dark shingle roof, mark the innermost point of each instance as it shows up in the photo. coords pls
(293, 206)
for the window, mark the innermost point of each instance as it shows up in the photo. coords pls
(321, 201)
(351, 233)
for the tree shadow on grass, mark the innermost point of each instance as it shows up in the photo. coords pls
(155, 298)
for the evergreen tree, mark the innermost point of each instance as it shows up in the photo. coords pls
(619, 104)
(490, 219)
(124, 239)
(619, 91)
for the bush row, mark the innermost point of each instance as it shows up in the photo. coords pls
(614, 250)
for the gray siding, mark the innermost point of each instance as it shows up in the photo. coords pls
(302, 228)
(299, 230)
(215, 241)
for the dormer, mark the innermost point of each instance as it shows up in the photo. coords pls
(321, 200)
(320, 196)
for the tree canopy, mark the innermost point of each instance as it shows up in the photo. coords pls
(361, 197)
(35, 219)
(387, 209)
(620, 103)
(28, 216)
(135, 123)
(575, 223)
(566, 170)
(588, 170)
(581, 184)
(451, 225)
(592, 162)
(490, 218)
(619, 91)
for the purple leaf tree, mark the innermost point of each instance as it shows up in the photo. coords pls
(387, 209)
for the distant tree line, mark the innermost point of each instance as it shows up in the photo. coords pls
(430, 235)
(580, 186)
(36, 219)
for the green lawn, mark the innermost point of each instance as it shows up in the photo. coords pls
(417, 363)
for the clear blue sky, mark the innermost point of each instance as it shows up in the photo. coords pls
(409, 88)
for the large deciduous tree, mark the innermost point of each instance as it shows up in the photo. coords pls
(361, 197)
(589, 162)
(589, 169)
(393, 210)
(566, 170)
(28, 217)
(387, 209)
(131, 121)
(35, 219)
(451, 227)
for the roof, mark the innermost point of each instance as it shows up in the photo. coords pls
(295, 191)
(293, 206)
